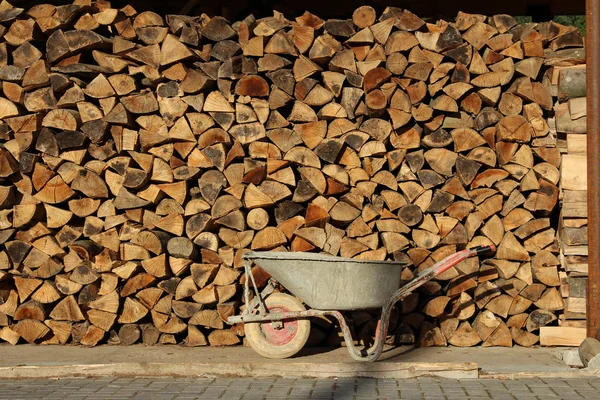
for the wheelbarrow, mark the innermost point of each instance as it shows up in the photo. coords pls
(277, 325)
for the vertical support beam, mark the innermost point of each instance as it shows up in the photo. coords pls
(593, 166)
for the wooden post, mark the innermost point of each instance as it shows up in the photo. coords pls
(593, 140)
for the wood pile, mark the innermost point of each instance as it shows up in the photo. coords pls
(142, 155)
(569, 122)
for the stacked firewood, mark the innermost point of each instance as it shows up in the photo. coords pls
(569, 122)
(142, 155)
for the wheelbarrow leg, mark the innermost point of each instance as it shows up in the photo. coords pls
(259, 296)
(373, 353)
(366, 355)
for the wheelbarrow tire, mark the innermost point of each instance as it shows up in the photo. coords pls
(270, 342)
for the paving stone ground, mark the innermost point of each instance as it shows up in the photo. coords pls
(281, 388)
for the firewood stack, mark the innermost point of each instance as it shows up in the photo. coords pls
(142, 155)
(568, 84)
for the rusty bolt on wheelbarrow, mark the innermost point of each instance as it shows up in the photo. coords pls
(277, 325)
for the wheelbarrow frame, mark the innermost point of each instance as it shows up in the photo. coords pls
(256, 310)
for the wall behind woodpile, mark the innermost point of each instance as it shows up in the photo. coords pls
(141, 155)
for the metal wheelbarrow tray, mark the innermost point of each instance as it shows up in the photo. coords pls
(332, 283)
(277, 325)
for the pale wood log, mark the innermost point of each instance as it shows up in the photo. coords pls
(465, 336)
(222, 337)
(31, 330)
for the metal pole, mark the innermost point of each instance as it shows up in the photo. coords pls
(592, 52)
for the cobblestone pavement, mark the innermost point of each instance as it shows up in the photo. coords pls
(273, 388)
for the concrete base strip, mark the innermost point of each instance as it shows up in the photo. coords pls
(575, 374)
(383, 370)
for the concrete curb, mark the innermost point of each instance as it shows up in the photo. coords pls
(582, 373)
(383, 370)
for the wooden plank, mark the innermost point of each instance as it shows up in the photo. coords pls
(574, 222)
(561, 336)
(573, 172)
(574, 250)
(576, 263)
(574, 210)
(565, 123)
(577, 107)
(574, 196)
(571, 323)
(574, 316)
(575, 236)
(576, 143)
(577, 287)
(576, 305)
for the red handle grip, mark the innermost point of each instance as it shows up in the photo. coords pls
(484, 250)
(455, 258)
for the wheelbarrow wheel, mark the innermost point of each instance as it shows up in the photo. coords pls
(279, 340)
